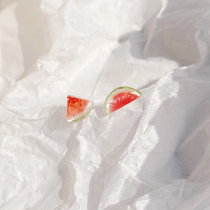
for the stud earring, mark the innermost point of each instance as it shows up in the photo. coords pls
(77, 108)
(119, 97)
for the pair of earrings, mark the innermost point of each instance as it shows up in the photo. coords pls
(78, 109)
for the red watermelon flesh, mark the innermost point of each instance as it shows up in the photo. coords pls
(77, 108)
(119, 98)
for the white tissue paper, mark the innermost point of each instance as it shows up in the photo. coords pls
(154, 153)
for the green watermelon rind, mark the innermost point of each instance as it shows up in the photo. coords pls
(106, 108)
(83, 116)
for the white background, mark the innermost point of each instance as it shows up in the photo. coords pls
(153, 154)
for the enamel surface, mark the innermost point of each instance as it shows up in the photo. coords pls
(77, 108)
(119, 97)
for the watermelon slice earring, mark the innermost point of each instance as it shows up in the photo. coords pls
(119, 97)
(77, 108)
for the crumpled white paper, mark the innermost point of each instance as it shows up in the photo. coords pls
(152, 154)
